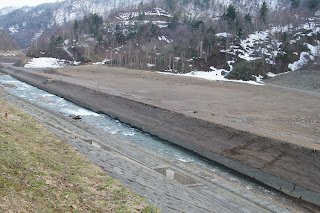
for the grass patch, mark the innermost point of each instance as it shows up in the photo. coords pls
(41, 173)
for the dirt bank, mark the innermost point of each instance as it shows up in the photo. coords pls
(283, 114)
(278, 163)
(47, 169)
(300, 80)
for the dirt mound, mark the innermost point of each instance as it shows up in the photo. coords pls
(303, 80)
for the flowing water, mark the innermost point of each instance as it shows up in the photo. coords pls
(147, 141)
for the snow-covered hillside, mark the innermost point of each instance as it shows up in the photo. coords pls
(71, 10)
(266, 44)
(218, 7)
(6, 10)
(25, 25)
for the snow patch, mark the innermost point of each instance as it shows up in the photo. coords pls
(13, 29)
(150, 65)
(163, 38)
(8, 54)
(46, 63)
(37, 35)
(271, 75)
(102, 62)
(215, 75)
(303, 60)
(157, 11)
(305, 57)
(223, 34)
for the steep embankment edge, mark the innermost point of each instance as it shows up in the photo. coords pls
(269, 161)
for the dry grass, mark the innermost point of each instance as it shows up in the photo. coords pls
(23, 61)
(40, 173)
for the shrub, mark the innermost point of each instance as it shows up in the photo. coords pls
(246, 70)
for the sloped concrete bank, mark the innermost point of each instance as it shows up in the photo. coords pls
(291, 169)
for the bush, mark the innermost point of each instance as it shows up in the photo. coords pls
(241, 74)
(227, 67)
(247, 70)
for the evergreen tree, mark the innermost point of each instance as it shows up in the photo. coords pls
(248, 18)
(59, 40)
(171, 4)
(239, 32)
(264, 12)
(154, 29)
(174, 21)
(76, 26)
(118, 32)
(141, 16)
(95, 22)
(230, 15)
(313, 4)
(295, 4)
(141, 5)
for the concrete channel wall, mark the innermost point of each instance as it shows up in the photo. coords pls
(274, 163)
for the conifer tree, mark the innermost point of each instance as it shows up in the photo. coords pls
(76, 26)
(230, 15)
(295, 4)
(313, 4)
(264, 12)
(248, 18)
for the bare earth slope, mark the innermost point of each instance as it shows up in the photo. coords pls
(287, 115)
(300, 80)
(268, 133)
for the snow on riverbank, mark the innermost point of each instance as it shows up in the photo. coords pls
(214, 76)
(46, 63)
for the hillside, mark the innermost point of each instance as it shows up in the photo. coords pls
(28, 23)
(6, 10)
(6, 42)
(160, 36)
(9, 50)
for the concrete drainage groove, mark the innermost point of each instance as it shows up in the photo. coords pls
(104, 147)
(168, 172)
(172, 174)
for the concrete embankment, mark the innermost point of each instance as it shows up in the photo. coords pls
(286, 167)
